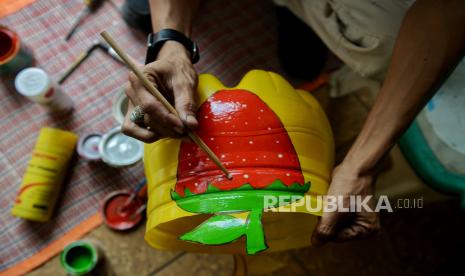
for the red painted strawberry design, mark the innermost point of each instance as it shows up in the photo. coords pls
(254, 146)
(249, 139)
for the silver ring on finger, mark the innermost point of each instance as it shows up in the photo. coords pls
(137, 115)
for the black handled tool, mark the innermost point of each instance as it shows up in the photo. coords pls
(97, 45)
(91, 7)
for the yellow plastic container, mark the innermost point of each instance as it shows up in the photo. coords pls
(44, 174)
(277, 143)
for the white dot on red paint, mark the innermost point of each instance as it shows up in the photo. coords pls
(206, 117)
(211, 139)
(251, 142)
(261, 110)
(256, 159)
(277, 141)
(243, 160)
(231, 142)
(208, 159)
(288, 174)
(246, 176)
(280, 155)
(190, 164)
(269, 128)
(188, 154)
(196, 184)
(223, 156)
(246, 123)
(244, 105)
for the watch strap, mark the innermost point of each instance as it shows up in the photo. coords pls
(156, 40)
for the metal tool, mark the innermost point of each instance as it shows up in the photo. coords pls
(91, 7)
(108, 50)
(97, 45)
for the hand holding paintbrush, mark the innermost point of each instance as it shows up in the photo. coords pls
(154, 91)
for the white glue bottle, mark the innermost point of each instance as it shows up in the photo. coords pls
(35, 84)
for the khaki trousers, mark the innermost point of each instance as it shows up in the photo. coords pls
(359, 32)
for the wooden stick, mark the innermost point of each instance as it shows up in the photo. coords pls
(151, 88)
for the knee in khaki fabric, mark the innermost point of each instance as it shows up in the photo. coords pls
(361, 33)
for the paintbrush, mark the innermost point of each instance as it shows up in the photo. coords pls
(138, 211)
(139, 191)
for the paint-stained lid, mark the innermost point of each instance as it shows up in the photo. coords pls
(88, 146)
(119, 150)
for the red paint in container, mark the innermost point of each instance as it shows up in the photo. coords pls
(13, 55)
(117, 214)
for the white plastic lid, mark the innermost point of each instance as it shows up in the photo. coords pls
(32, 81)
(119, 150)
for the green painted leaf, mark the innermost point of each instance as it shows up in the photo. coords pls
(256, 241)
(175, 196)
(212, 189)
(300, 188)
(278, 185)
(187, 192)
(245, 187)
(219, 229)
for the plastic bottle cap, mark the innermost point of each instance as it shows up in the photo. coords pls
(88, 146)
(32, 82)
(119, 150)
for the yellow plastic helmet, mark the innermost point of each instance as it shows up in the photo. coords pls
(277, 144)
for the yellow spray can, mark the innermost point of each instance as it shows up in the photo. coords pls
(44, 174)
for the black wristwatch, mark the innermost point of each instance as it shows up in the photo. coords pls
(156, 40)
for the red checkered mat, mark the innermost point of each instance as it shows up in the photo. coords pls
(233, 37)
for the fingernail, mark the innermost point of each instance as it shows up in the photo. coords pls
(316, 242)
(179, 130)
(191, 120)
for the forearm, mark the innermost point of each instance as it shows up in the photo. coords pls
(431, 41)
(173, 14)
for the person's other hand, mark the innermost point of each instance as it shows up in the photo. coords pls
(175, 77)
(345, 226)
